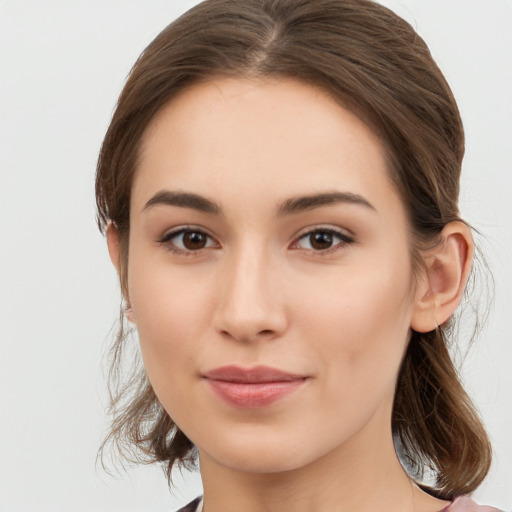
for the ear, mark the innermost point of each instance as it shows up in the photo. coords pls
(115, 256)
(440, 289)
(113, 244)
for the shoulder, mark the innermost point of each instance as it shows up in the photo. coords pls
(465, 504)
(193, 506)
(462, 504)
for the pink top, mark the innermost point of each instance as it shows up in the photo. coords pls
(462, 504)
(465, 504)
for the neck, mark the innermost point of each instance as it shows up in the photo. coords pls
(362, 475)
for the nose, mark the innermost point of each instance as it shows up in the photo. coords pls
(250, 302)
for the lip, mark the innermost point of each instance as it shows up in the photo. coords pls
(253, 387)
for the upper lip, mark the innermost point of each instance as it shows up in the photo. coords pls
(252, 375)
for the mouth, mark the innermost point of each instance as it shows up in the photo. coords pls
(252, 387)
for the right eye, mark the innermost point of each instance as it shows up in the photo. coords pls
(188, 240)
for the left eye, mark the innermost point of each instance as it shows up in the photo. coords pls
(189, 240)
(322, 240)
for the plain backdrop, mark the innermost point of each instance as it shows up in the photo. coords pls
(62, 66)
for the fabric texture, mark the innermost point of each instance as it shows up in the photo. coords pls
(462, 504)
(465, 504)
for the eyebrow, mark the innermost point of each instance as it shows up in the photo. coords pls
(291, 206)
(184, 200)
(304, 203)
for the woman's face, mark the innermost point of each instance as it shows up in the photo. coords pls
(269, 274)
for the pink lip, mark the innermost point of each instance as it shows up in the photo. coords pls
(252, 387)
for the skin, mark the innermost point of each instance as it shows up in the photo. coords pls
(259, 292)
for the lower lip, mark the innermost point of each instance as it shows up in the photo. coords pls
(254, 394)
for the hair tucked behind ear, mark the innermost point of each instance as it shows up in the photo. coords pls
(374, 64)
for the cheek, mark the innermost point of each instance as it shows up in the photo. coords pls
(171, 309)
(359, 321)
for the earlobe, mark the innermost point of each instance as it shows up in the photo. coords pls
(440, 290)
(115, 256)
(113, 244)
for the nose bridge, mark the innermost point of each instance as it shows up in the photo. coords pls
(249, 302)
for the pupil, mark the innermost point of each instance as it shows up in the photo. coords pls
(321, 240)
(194, 241)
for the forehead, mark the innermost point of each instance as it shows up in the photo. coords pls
(267, 137)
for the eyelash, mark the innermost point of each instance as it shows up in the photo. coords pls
(343, 238)
(166, 240)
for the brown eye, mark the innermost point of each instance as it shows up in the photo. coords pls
(322, 240)
(188, 240)
(194, 240)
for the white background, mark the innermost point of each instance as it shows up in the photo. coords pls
(62, 65)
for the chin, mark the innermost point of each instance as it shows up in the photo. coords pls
(262, 454)
(268, 463)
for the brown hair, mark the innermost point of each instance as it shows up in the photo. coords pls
(375, 64)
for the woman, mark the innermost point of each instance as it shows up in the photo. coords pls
(279, 190)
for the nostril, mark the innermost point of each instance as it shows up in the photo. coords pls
(246, 336)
